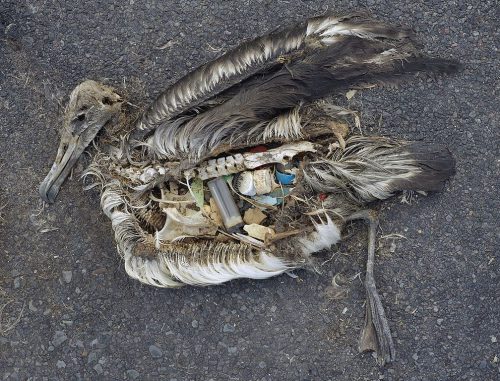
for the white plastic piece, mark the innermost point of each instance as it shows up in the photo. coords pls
(245, 184)
(259, 232)
(263, 181)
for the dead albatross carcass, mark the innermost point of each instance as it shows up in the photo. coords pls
(242, 169)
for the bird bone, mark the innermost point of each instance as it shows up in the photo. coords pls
(249, 160)
(229, 165)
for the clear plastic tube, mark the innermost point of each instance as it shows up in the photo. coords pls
(229, 212)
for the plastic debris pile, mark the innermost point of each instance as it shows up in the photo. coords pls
(232, 197)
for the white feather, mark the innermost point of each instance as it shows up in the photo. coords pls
(325, 236)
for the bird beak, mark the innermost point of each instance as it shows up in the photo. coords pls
(91, 106)
(70, 149)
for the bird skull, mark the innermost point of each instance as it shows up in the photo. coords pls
(90, 107)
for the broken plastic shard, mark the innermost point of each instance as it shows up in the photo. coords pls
(245, 184)
(280, 194)
(266, 200)
(197, 192)
(285, 178)
(254, 216)
(260, 232)
(260, 181)
(263, 180)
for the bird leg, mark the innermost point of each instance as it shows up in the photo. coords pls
(376, 334)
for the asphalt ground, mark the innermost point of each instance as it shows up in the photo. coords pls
(69, 312)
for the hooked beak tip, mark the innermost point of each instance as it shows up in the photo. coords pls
(67, 157)
(49, 187)
(47, 194)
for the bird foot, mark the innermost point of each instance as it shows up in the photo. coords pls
(376, 334)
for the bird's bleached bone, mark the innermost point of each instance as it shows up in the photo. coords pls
(234, 164)
(227, 165)
(178, 226)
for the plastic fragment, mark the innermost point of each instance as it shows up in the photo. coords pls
(245, 184)
(197, 191)
(258, 149)
(253, 216)
(280, 194)
(260, 232)
(263, 180)
(285, 178)
(266, 200)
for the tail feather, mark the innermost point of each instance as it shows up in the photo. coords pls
(374, 168)
(435, 163)
(404, 71)
(431, 65)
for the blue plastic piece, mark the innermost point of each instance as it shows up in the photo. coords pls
(285, 178)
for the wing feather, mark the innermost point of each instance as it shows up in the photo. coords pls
(259, 55)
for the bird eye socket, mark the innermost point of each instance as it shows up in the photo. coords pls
(78, 124)
(107, 101)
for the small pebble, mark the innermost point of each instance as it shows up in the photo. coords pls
(393, 247)
(60, 364)
(155, 351)
(32, 307)
(92, 357)
(98, 368)
(228, 328)
(67, 276)
(59, 338)
(17, 282)
(132, 374)
(197, 349)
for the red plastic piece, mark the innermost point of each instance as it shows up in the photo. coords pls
(258, 149)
